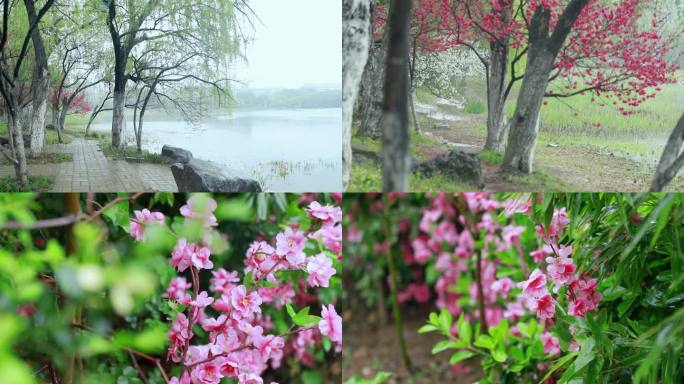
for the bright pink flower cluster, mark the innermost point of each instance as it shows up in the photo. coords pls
(561, 271)
(239, 345)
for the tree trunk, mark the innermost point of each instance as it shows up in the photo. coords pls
(671, 160)
(522, 138)
(356, 16)
(40, 85)
(395, 131)
(62, 118)
(118, 118)
(17, 144)
(496, 98)
(121, 52)
(414, 115)
(543, 50)
(372, 90)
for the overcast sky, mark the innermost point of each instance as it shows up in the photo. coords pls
(298, 42)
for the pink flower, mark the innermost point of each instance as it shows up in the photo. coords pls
(207, 373)
(514, 310)
(331, 236)
(511, 234)
(200, 207)
(202, 300)
(421, 251)
(503, 286)
(550, 342)
(574, 346)
(327, 214)
(535, 285)
(137, 230)
(290, 244)
(179, 257)
(541, 253)
(320, 270)
(144, 217)
(245, 304)
(545, 307)
(249, 378)
(200, 257)
(185, 379)
(561, 269)
(177, 290)
(179, 333)
(224, 281)
(331, 324)
(465, 245)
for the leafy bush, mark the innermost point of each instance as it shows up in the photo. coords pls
(535, 287)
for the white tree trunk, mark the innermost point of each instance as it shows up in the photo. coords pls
(355, 45)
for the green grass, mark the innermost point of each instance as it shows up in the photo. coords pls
(368, 178)
(128, 153)
(34, 184)
(46, 158)
(475, 107)
(491, 157)
(578, 115)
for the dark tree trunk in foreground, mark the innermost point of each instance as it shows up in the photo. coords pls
(672, 159)
(40, 84)
(372, 90)
(496, 97)
(356, 20)
(395, 131)
(543, 50)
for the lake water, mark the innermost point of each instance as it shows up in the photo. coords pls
(285, 150)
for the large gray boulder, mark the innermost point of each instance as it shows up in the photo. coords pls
(204, 176)
(175, 155)
(456, 165)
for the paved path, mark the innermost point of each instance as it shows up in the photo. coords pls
(91, 171)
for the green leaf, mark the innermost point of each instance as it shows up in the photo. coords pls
(558, 364)
(586, 354)
(460, 356)
(427, 328)
(442, 346)
(464, 329)
(499, 355)
(485, 341)
(118, 215)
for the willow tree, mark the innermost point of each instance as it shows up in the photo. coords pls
(133, 25)
(10, 71)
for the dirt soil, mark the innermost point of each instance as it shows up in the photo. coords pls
(370, 348)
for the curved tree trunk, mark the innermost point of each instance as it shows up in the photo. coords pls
(395, 130)
(496, 97)
(543, 50)
(671, 160)
(372, 90)
(40, 85)
(356, 17)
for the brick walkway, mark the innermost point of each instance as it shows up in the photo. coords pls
(91, 171)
